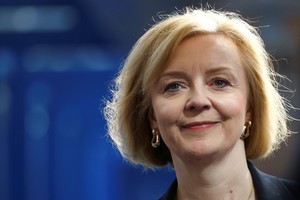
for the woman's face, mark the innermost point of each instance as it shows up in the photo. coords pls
(200, 101)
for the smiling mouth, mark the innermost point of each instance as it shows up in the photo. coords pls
(199, 126)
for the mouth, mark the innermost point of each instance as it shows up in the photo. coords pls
(199, 126)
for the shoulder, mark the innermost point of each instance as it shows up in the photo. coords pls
(171, 192)
(268, 187)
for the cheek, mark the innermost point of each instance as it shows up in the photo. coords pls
(167, 111)
(232, 106)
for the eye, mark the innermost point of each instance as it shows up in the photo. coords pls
(173, 87)
(220, 83)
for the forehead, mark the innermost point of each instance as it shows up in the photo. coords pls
(205, 50)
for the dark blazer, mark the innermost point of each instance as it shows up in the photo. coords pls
(267, 187)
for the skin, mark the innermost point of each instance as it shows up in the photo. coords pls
(200, 106)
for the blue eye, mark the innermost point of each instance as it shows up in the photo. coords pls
(172, 87)
(221, 83)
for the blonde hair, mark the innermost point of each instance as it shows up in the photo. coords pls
(128, 110)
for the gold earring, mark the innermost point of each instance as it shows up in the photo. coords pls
(155, 142)
(246, 130)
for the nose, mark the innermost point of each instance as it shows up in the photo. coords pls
(198, 99)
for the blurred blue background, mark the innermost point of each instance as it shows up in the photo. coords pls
(57, 59)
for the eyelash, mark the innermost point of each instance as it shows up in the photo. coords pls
(224, 81)
(179, 85)
(169, 89)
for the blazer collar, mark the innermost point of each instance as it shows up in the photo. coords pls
(267, 187)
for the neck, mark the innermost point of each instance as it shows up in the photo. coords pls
(216, 177)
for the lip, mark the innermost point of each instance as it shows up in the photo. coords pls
(199, 125)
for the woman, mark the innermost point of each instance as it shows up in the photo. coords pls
(198, 91)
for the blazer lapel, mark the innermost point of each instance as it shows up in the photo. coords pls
(269, 187)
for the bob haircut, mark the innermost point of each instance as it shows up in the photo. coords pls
(127, 113)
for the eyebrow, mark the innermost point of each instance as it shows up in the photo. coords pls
(175, 73)
(216, 70)
(183, 74)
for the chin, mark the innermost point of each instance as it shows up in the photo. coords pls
(198, 152)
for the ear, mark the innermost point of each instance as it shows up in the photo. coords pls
(152, 118)
(249, 115)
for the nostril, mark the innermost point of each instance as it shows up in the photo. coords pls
(192, 108)
(196, 106)
(198, 98)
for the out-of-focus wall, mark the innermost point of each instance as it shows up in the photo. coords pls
(57, 59)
